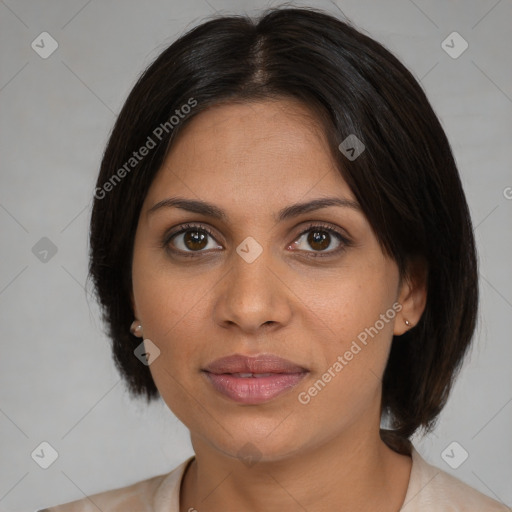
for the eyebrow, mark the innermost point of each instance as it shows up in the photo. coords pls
(294, 210)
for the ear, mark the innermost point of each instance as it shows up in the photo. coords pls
(412, 295)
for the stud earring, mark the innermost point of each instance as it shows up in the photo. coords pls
(136, 327)
(407, 322)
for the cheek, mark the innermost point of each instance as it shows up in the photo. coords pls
(353, 318)
(345, 304)
(171, 320)
(159, 294)
(172, 317)
(172, 307)
(350, 362)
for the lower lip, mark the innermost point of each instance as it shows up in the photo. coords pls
(254, 390)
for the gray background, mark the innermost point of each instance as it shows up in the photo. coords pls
(57, 381)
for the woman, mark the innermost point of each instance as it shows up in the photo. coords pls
(283, 252)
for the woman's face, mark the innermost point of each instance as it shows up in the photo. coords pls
(309, 298)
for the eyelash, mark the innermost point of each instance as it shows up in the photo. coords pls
(183, 228)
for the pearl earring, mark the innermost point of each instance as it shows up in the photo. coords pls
(407, 322)
(136, 327)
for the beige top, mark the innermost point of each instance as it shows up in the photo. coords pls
(430, 489)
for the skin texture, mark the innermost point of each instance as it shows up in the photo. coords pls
(252, 160)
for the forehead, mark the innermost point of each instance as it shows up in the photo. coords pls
(272, 151)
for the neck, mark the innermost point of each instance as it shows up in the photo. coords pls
(353, 471)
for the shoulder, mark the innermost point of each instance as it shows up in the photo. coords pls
(136, 497)
(431, 488)
(148, 495)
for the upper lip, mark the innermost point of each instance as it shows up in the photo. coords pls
(263, 363)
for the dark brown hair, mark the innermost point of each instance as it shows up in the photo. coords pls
(406, 180)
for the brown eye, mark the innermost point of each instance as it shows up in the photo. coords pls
(320, 238)
(195, 240)
(190, 239)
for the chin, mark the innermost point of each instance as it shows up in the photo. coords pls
(253, 446)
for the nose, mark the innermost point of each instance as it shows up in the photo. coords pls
(253, 296)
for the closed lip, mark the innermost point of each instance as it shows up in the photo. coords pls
(263, 363)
